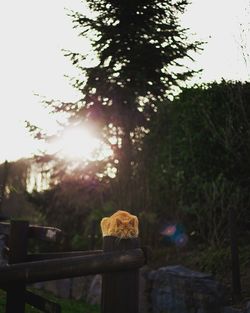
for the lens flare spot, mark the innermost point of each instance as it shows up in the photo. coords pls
(174, 234)
(169, 231)
(181, 240)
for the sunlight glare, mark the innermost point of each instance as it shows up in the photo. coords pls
(79, 143)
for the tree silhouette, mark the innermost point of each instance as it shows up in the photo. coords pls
(139, 47)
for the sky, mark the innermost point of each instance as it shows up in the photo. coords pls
(34, 32)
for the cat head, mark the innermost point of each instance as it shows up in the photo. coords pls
(126, 228)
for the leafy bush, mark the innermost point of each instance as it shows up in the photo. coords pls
(215, 260)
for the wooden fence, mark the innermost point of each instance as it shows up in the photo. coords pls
(118, 262)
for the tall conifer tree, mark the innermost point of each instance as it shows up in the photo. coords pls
(139, 46)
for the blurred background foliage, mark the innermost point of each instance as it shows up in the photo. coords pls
(192, 169)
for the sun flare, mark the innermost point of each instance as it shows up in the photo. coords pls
(79, 143)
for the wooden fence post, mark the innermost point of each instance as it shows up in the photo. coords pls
(120, 290)
(18, 243)
(236, 283)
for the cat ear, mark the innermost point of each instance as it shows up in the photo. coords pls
(118, 222)
(132, 222)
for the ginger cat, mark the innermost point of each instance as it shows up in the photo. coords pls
(121, 224)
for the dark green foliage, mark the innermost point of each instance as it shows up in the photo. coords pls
(200, 163)
(207, 130)
(215, 260)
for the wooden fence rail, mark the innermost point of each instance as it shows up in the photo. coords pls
(44, 233)
(57, 255)
(118, 262)
(30, 272)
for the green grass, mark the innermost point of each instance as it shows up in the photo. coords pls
(68, 306)
(2, 300)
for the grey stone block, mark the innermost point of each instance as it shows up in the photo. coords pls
(95, 289)
(176, 289)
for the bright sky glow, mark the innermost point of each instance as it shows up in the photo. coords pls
(34, 32)
(225, 26)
